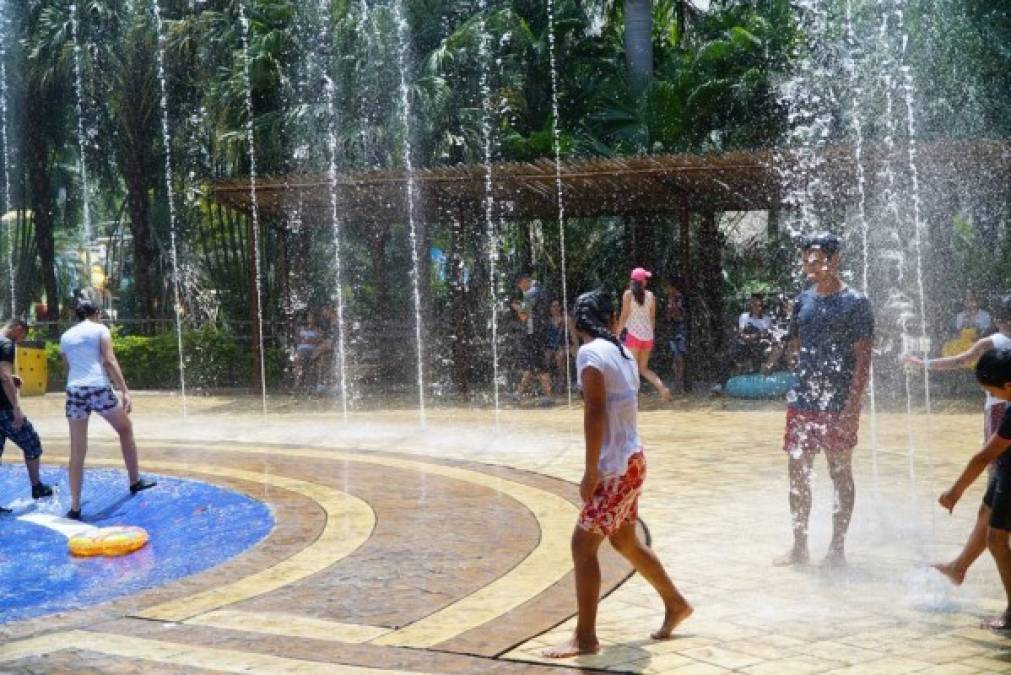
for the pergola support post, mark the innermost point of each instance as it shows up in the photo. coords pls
(455, 261)
(687, 279)
(255, 319)
(712, 279)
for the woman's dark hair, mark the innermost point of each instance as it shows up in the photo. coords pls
(639, 291)
(594, 311)
(84, 308)
(994, 368)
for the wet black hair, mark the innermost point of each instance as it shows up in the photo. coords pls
(521, 276)
(827, 242)
(639, 292)
(994, 368)
(84, 308)
(594, 311)
(1003, 312)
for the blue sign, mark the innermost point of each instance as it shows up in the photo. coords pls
(193, 526)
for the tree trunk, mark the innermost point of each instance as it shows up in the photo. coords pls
(37, 154)
(144, 253)
(641, 242)
(711, 247)
(687, 287)
(461, 361)
(639, 44)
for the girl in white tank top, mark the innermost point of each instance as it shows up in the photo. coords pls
(638, 319)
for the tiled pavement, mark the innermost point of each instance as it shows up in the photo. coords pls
(434, 550)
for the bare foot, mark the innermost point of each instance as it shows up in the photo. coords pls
(571, 648)
(1000, 624)
(955, 574)
(673, 618)
(796, 556)
(834, 560)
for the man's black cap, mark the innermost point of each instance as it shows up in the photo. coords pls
(823, 241)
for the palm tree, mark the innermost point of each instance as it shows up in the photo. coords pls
(639, 44)
(43, 111)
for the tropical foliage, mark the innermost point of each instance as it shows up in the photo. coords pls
(86, 82)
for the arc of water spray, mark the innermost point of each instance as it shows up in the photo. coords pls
(556, 138)
(909, 95)
(405, 111)
(170, 195)
(858, 132)
(489, 197)
(329, 92)
(254, 206)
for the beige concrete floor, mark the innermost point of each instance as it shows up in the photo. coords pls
(715, 505)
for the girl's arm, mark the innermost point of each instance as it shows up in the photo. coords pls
(626, 309)
(993, 449)
(652, 313)
(594, 422)
(954, 362)
(115, 372)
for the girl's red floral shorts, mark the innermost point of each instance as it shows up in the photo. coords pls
(616, 499)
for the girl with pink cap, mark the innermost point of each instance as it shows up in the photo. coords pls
(638, 324)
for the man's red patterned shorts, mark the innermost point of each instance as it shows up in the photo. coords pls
(811, 431)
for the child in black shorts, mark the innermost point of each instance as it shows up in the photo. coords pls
(994, 374)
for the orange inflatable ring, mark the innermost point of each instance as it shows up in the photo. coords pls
(108, 541)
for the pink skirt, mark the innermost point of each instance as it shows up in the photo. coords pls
(632, 342)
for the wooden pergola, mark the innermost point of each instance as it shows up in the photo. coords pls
(630, 186)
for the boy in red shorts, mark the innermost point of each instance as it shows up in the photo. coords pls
(832, 332)
(613, 478)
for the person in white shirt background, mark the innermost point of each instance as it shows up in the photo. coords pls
(754, 336)
(973, 316)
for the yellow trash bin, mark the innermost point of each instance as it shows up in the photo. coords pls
(32, 368)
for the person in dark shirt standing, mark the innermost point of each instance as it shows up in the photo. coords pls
(832, 332)
(533, 313)
(13, 423)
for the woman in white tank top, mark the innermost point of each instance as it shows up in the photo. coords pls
(87, 351)
(993, 411)
(638, 323)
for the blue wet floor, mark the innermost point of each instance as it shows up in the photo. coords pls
(193, 526)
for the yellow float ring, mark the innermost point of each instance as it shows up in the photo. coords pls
(108, 541)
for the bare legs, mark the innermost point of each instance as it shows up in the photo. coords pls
(527, 380)
(121, 423)
(679, 373)
(840, 468)
(645, 562)
(587, 573)
(801, 473)
(800, 470)
(973, 549)
(33, 470)
(641, 357)
(997, 542)
(78, 450)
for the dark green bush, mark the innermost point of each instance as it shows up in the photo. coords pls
(214, 358)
